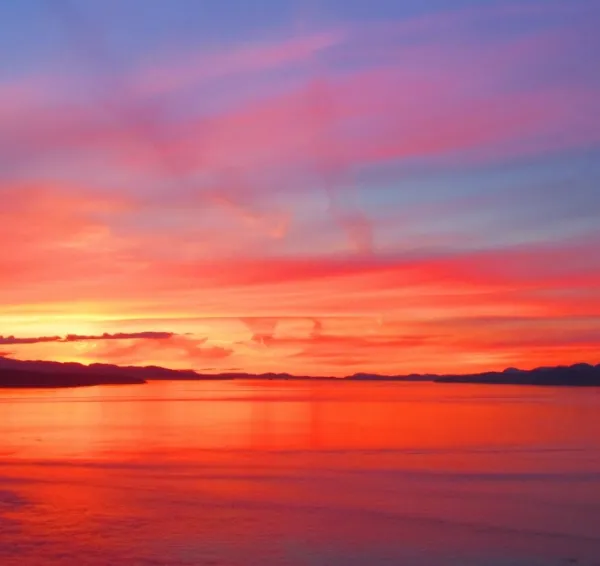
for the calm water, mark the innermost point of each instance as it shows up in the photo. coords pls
(300, 474)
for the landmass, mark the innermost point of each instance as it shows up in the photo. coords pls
(20, 373)
(38, 379)
(575, 375)
(25, 374)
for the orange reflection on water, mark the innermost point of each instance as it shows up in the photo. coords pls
(299, 473)
(181, 417)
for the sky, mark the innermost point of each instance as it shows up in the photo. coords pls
(320, 187)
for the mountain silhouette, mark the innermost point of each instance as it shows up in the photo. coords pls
(20, 373)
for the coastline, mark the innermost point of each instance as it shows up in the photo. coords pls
(43, 375)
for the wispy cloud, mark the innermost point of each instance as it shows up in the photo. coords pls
(11, 340)
(186, 350)
(79, 338)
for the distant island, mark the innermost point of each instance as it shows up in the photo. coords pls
(44, 374)
(575, 375)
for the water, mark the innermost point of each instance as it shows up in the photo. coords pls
(300, 474)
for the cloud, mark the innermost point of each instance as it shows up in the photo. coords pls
(11, 340)
(317, 329)
(83, 338)
(263, 329)
(435, 98)
(240, 60)
(528, 266)
(120, 336)
(59, 233)
(429, 98)
(180, 348)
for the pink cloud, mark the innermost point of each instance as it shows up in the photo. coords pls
(414, 102)
(56, 234)
(250, 58)
(436, 100)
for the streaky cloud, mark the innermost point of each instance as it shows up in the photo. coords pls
(10, 340)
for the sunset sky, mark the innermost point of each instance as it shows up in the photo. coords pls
(320, 187)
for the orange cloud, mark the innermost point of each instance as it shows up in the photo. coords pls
(184, 349)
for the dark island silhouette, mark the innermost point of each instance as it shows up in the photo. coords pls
(576, 375)
(38, 374)
(39, 379)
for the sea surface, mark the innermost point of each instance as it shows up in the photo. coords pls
(301, 474)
